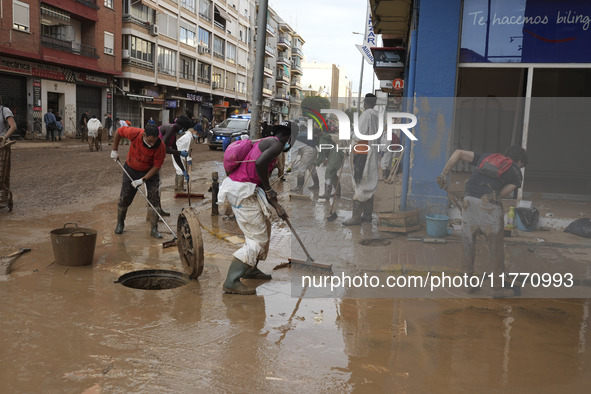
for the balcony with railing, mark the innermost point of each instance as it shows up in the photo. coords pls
(282, 78)
(68, 46)
(296, 69)
(295, 99)
(284, 60)
(267, 70)
(297, 51)
(282, 95)
(267, 93)
(283, 42)
(296, 84)
(88, 3)
(271, 30)
(269, 50)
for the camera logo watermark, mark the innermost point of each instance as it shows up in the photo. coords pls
(394, 121)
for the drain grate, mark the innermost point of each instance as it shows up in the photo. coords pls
(153, 279)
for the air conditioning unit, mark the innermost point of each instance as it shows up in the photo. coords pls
(154, 30)
(125, 54)
(124, 84)
(203, 49)
(145, 92)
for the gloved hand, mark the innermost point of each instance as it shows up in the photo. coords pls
(186, 176)
(114, 155)
(189, 162)
(442, 181)
(137, 183)
(184, 153)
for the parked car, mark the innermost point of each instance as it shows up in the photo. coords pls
(231, 129)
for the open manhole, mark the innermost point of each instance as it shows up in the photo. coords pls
(374, 242)
(153, 279)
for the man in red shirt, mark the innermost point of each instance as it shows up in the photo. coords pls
(144, 160)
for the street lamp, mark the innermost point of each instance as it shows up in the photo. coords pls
(360, 78)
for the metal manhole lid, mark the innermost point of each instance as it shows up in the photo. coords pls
(190, 241)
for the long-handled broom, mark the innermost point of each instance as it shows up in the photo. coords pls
(309, 264)
(166, 244)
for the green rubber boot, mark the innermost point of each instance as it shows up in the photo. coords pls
(232, 284)
(256, 273)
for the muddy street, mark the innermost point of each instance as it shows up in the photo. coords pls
(71, 329)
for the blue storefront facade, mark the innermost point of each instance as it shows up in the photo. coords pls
(485, 74)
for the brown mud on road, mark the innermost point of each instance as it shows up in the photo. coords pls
(68, 329)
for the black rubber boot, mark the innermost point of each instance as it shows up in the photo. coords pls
(300, 184)
(232, 284)
(316, 184)
(154, 226)
(367, 211)
(256, 273)
(327, 191)
(121, 213)
(356, 217)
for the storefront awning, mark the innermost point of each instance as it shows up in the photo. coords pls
(55, 13)
(222, 13)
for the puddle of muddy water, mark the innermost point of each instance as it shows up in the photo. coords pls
(67, 329)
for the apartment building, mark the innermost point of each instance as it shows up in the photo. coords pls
(185, 56)
(282, 71)
(58, 54)
(141, 60)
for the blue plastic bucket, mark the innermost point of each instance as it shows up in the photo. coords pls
(437, 225)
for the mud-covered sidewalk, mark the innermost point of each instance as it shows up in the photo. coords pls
(71, 329)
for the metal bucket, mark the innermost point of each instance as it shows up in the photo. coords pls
(73, 245)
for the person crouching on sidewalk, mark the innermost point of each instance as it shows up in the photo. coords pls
(144, 160)
(248, 190)
(494, 178)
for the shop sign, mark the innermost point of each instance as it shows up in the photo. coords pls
(15, 66)
(171, 103)
(194, 97)
(536, 31)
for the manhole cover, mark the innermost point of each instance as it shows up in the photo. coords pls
(374, 242)
(153, 279)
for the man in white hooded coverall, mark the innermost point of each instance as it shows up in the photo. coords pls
(365, 164)
(93, 125)
(183, 144)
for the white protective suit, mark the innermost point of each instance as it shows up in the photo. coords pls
(183, 143)
(368, 125)
(93, 126)
(252, 212)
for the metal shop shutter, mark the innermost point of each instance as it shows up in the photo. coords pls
(13, 90)
(88, 99)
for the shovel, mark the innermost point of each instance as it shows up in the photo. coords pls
(166, 244)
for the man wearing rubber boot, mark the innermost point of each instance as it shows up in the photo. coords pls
(169, 134)
(307, 154)
(494, 178)
(333, 158)
(365, 165)
(247, 189)
(144, 160)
